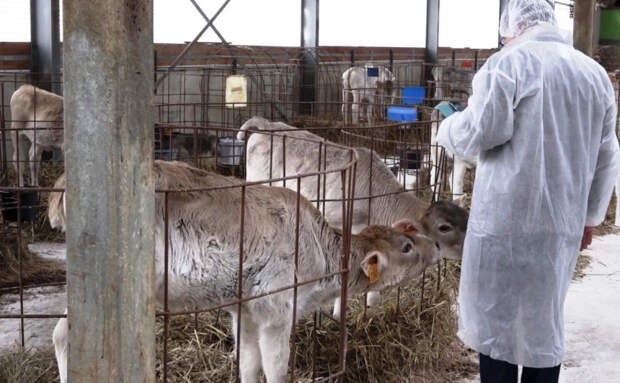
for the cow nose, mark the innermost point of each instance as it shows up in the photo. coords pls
(437, 245)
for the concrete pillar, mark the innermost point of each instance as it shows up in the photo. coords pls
(584, 26)
(108, 84)
(45, 44)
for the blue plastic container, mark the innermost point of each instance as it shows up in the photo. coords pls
(372, 72)
(402, 114)
(413, 95)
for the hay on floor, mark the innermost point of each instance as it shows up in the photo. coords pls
(40, 230)
(35, 270)
(29, 366)
(414, 343)
(417, 341)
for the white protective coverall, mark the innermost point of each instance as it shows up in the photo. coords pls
(541, 118)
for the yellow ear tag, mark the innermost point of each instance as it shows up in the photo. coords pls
(373, 273)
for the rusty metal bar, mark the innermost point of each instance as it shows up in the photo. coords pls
(5, 165)
(295, 272)
(20, 269)
(318, 179)
(166, 271)
(284, 160)
(254, 297)
(343, 284)
(270, 157)
(240, 281)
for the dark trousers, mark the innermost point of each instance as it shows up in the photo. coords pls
(498, 371)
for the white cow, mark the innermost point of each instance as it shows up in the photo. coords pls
(204, 256)
(377, 90)
(37, 115)
(302, 157)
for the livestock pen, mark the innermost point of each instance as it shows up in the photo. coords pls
(194, 123)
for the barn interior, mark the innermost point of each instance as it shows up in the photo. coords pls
(131, 102)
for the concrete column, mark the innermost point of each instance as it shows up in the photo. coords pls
(108, 84)
(584, 26)
(45, 44)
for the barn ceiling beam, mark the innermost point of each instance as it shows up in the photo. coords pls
(204, 16)
(310, 58)
(45, 44)
(181, 55)
(108, 86)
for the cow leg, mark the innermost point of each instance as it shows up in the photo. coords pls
(274, 347)
(355, 108)
(60, 338)
(34, 162)
(459, 177)
(373, 298)
(19, 157)
(249, 351)
(336, 311)
(345, 106)
(370, 108)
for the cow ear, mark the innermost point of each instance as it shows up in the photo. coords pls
(407, 226)
(373, 264)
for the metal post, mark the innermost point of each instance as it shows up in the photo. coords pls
(502, 6)
(583, 29)
(432, 41)
(310, 58)
(45, 43)
(108, 61)
(432, 31)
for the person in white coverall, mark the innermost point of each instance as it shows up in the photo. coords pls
(541, 120)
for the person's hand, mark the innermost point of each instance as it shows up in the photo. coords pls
(586, 240)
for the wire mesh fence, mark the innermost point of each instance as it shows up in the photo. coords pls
(194, 123)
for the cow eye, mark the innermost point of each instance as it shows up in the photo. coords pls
(445, 228)
(407, 248)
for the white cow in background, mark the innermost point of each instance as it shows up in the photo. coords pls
(450, 83)
(364, 88)
(37, 115)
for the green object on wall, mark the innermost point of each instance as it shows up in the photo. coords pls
(610, 24)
